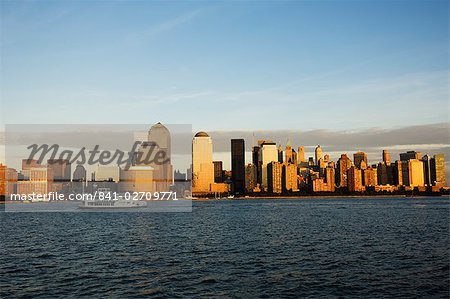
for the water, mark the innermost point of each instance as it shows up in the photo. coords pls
(250, 248)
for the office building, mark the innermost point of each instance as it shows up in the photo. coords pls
(218, 169)
(318, 154)
(238, 165)
(359, 158)
(274, 174)
(202, 164)
(343, 164)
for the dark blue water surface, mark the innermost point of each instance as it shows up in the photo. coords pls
(237, 248)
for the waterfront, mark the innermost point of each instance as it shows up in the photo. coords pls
(233, 248)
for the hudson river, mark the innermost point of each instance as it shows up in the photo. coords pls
(381, 247)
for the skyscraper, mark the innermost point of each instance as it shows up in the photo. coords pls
(359, 157)
(289, 177)
(300, 154)
(280, 154)
(416, 176)
(410, 155)
(318, 154)
(274, 175)
(269, 154)
(386, 157)
(202, 165)
(160, 136)
(354, 179)
(250, 177)
(256, 159)
(438, 170)
(343, 164)
(288, 152)
(238, 165)
(330, 177)
(60, 169)
(218, 168)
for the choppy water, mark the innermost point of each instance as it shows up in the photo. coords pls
(252, 248)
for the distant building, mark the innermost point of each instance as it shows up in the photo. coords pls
(3, 179)
(410, 155)
(250, 178)
(370, 178)
(354, 179)
(330, 177)
(79, 174)
(218, 169)
(386, 157)
(137, 179)
(288, 152)
(326, 158)
(358, 158)
(318, 154)
(257, 161)
(343, 164)
(202, 164)
(269, 154)
(416, 176)
(280, 154)
(438, 170)
(300, 154)
(274, 171)
(289, 177)
(61, 169)
(238, 165)
(385, 174)
(178, 176)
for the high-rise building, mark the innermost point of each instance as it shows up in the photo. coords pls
(280, 154)
(402, 168)
(257, 161)
(300, 154)
(358, 158)
(354, 179)
(3, 180)
(416, 176)
(79, 173)
(438, 170)
(410, 155)
(318, 154)
(160, 136)
(370, 177)
(385, 174)
(326, 158)
(202, 164)
(218, 168)
(30, 163)
(274, 172)
(289, 177)
(238, 165)
(386, 157)
(250, 178)
(61, 169)
(398, 173)
(330, 177)
(343, 164)
(269, 154)
(288, 152)
(427, 170)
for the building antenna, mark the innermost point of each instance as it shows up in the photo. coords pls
(253, 139)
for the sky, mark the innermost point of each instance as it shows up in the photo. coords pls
(346, 66)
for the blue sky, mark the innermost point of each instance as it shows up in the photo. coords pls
(254, 65)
